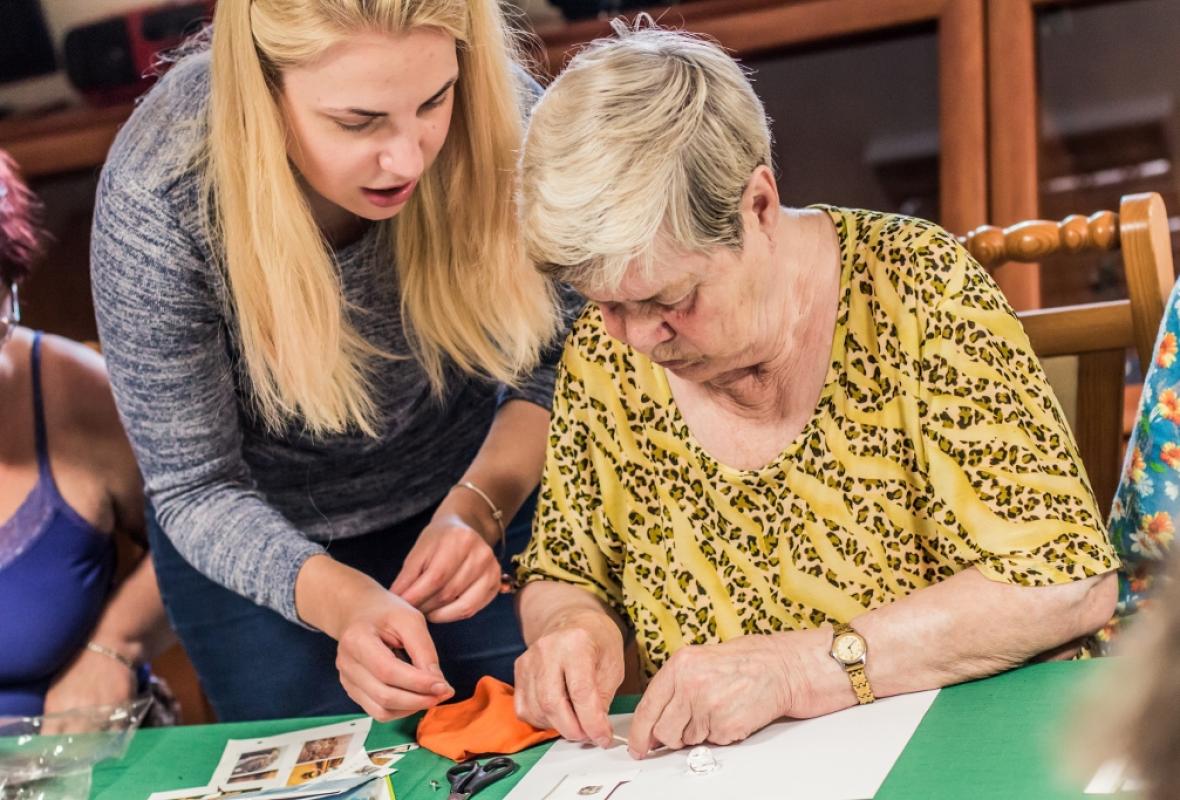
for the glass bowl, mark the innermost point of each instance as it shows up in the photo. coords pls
(50, 757)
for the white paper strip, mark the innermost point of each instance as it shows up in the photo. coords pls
(842, 756)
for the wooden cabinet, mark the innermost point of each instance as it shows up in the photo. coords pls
(1045, 107)
(769, 35)
(1083, 98)
(949, 109)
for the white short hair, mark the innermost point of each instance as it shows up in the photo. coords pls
(650, 135)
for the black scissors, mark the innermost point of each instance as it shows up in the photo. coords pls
(471, 776)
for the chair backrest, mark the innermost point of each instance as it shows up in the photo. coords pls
(1095, 335)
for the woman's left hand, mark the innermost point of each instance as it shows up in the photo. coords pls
(717, 693)
(91, 679)
(451, 573)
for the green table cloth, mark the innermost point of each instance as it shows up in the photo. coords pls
(996, 738)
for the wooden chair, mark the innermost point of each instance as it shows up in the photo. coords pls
(1084, 347)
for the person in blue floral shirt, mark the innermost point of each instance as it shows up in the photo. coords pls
(1144, 517)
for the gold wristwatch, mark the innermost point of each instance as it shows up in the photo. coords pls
(851, 651)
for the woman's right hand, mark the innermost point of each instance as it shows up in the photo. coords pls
(371, 626)
(568, 676)
(385, 686)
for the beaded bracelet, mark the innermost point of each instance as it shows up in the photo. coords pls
(103, 650)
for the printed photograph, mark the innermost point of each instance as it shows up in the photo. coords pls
(387, 755)
(326, 748)
(252, 777)
(255, 761)
(312, 770)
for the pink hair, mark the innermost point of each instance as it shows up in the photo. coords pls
(20, 232)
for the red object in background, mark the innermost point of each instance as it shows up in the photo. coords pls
(115, 60)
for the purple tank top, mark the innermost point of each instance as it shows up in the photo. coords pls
(55, 574)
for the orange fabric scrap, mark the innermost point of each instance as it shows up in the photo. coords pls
(485, 723)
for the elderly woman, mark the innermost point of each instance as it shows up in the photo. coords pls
(806, 456)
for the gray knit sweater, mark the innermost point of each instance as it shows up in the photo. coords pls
(244, 506)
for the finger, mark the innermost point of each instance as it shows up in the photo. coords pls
(696, 732)
(452, 571)
(524, 697)
(430, 581)
(373, 655)
(363, 700)
(397, 674)
(382, 702)
(411, 568)
(582, 687)
(647, 713)
(359, 697)
(554, 705)
(374, 708)
(609, 675)
(677, 714)
(413, 636)
(478, 595)
(467, 572)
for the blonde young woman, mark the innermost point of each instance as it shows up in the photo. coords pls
(317, 316)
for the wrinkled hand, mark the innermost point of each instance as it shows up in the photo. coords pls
(566, 679)
(381, 683)
(451, 573)
(719, 693)
(91, 679)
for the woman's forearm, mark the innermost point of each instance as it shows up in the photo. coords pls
(507, 467)
(963, 628)
(134, 623)
(326, 591)
(544, 606)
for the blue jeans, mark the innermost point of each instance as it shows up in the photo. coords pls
(254, 664)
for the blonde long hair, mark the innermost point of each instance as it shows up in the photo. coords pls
(469, 296)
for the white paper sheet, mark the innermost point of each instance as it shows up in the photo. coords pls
(328, 760)
(843, 756)
(194, 793)
(290, 758)
(1112, 778)
(356, 771)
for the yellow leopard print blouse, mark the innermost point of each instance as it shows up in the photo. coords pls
(936, 445)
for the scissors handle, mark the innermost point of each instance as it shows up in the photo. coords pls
(471, 776)
(499, 767)
(459, 773)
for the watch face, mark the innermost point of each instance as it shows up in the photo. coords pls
(849, 648)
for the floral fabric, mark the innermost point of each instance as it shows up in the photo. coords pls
(1146, 509)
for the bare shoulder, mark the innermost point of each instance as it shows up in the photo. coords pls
(86, 437)
(77, 392)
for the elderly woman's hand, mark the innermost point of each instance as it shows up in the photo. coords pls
(567, 677)
(719, 693)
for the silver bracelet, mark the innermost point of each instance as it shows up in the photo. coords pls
(497, 514)
(103, 650)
